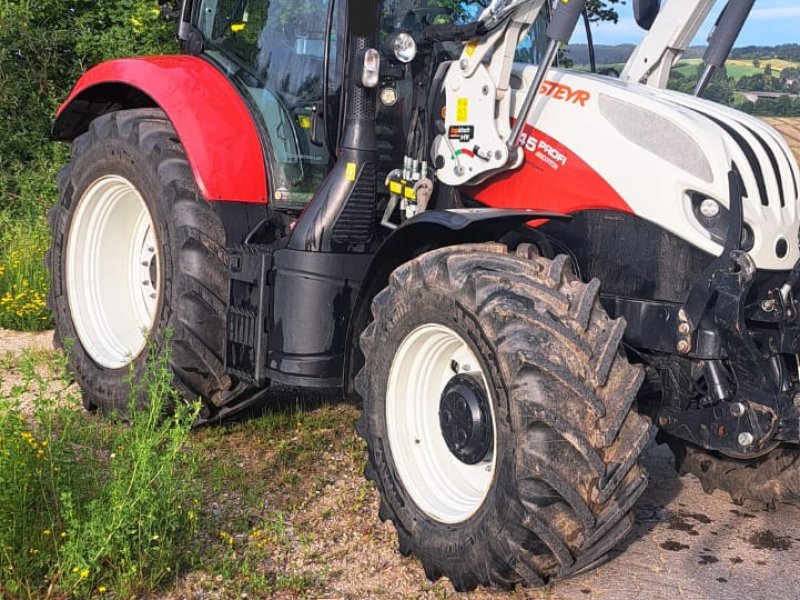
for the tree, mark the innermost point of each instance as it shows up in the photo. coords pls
(44, 48)
(599, 10)
(721, 88)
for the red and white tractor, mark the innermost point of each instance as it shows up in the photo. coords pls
(522, 270)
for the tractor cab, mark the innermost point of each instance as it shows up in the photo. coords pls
(286, 59)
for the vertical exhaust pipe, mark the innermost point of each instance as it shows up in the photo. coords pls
(341, 216)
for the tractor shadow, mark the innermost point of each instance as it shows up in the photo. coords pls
(286, 401)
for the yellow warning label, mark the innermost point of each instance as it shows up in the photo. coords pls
(462, 110)
(409, 193)
(396, 187)
(470, 48)
(304, 121)
(351, 172)
(237, 27)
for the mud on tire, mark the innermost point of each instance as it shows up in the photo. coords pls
(142, 147)
(567, 441)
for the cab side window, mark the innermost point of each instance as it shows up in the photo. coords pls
(275, 51)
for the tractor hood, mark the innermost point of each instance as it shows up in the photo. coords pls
(657, 154)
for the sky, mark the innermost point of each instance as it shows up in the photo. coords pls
(771, 22)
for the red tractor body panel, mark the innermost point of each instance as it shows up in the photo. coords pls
(552, 178)
(210, 117)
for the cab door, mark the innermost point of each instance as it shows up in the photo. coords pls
(285, 58)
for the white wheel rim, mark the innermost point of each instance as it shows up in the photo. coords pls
(442, 486)
(112, 272)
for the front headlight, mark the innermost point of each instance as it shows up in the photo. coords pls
(402, 46)
(713, 218)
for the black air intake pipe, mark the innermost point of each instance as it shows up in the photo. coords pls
(341, 216)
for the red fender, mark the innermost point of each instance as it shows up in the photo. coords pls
(210, 117)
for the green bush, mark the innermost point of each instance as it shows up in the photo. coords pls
(44, 47)
(88, 507)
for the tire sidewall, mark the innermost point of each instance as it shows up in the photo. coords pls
(103, 387)
(430, 537)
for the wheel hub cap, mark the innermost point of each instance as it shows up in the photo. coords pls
(112, 272)
(465, 419)
(444, 462)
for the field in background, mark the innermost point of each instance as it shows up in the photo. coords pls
(738, 68)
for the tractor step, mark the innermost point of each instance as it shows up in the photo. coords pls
(248, 313)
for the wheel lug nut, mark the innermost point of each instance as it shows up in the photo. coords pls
(746, 439)
(738, 409)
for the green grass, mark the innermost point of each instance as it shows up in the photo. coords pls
(89, 507)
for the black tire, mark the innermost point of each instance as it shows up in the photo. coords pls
(568, 443)
(771, 479)
(141, 146)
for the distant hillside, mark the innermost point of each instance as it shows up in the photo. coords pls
(758, 80)
(606, 55)
(614, 55)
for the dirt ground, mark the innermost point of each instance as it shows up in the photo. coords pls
(12, 344)
(790, 128)
(14, 341)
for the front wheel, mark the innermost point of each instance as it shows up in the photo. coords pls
(498, 415)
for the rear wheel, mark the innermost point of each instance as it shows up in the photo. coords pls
(498, 415)
(136, 251)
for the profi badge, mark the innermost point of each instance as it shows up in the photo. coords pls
(462, 133)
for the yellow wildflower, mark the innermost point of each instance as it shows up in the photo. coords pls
(84, 573)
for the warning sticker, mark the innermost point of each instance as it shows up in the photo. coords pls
(470, 48)
(351, 172)
(462, 133)
(462, 110)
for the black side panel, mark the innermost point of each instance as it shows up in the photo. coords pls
(633, 258)
(313, 296)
